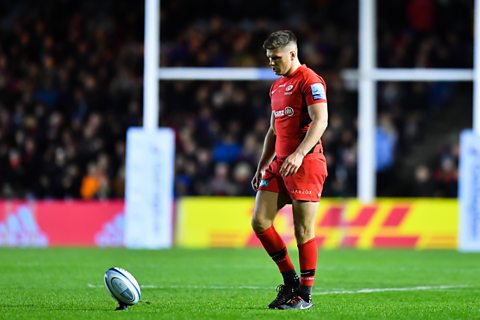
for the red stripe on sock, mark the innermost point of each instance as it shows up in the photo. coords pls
(273, 243)
(308, 255)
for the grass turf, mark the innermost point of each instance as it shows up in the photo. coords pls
(65, 283)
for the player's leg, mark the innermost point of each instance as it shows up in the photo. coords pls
(304, 215)
(305, 188)
(267, 205)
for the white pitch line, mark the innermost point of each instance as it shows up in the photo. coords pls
(375, 290)
(174, 286)
(357, 291)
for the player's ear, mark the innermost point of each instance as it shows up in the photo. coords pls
(293, 55)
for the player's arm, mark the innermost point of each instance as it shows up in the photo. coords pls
(318, 112)
(268, 153)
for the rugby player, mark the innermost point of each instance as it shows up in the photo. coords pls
(292, 168)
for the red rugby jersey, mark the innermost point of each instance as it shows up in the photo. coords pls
(290, 96)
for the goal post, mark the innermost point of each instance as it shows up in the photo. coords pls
(367, 77)
(150, 156)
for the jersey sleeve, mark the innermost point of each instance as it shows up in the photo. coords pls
(314, 89)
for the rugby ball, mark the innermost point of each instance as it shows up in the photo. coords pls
(122, 286)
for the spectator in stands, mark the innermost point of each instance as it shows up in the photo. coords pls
(423, 185)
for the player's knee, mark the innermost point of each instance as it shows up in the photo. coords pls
(304, 233)
(260, 225)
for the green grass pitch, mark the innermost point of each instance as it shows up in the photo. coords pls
(238, 284)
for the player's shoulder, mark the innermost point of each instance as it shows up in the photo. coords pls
(310, 74)
(310, 77)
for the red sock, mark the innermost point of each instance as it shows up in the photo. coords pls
(276, 248)
(308, 262)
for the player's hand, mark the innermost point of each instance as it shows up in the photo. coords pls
(291, 164)
(256, 179)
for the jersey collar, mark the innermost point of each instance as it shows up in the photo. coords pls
(303, 66)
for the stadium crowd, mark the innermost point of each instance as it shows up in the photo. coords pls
(71, 85)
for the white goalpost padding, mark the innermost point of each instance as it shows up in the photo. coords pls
(469, 171)
(469, 192)
(149, 188)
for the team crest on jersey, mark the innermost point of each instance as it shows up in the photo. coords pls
(288, 90)
(318, 91)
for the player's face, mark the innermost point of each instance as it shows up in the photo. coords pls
(280, 60)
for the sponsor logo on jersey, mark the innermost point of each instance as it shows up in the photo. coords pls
(318, 91)
(290, 87)
(288, 111)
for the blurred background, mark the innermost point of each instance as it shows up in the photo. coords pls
(71, 83)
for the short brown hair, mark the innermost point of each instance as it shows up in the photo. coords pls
(279, 39)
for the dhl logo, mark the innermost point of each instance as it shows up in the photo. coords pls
(381, 232)
(361, 226)
(387, 223)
